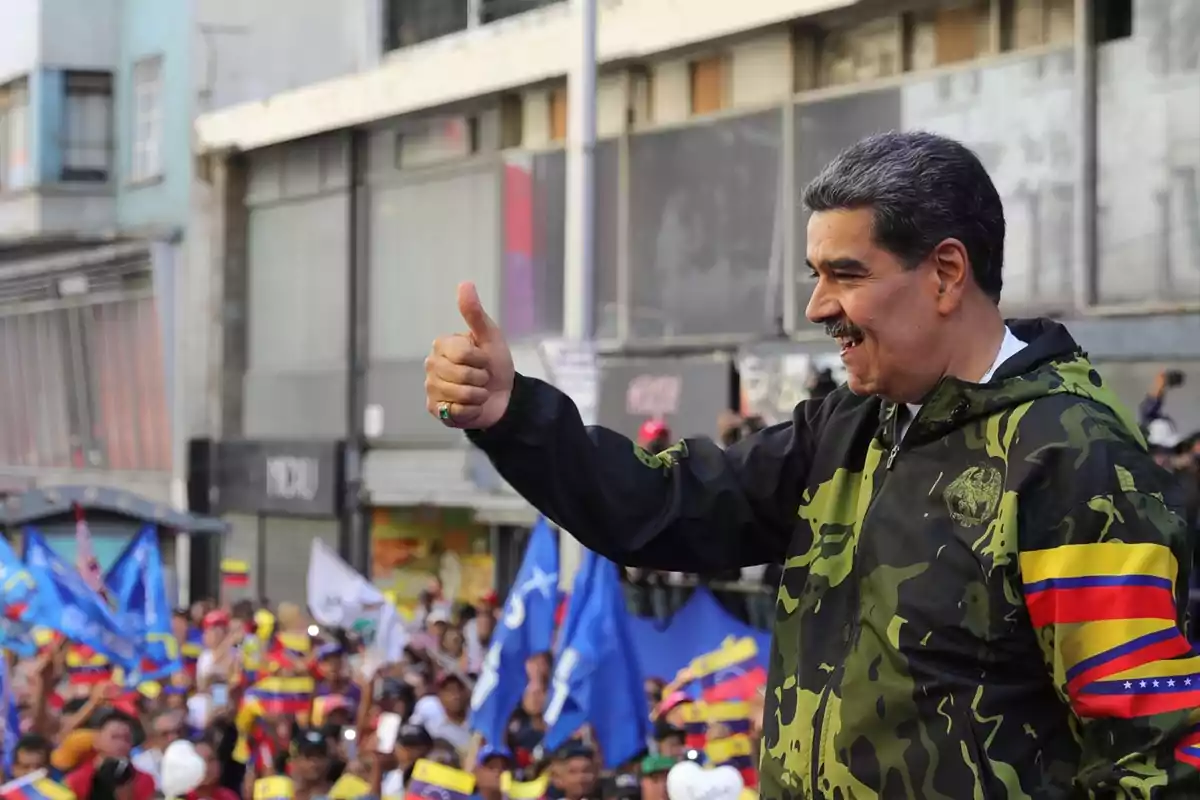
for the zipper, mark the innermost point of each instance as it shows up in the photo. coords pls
(822, 705)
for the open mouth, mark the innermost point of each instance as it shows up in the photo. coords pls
(849, 341)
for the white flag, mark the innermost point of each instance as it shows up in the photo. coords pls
(338, 596)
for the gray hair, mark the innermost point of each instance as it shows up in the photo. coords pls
(923, 188)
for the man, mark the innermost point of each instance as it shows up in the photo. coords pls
(31, 754)
(654, 771)
(984, 572)
(308, 770)
(444, 714)
(491, 763)
(112, 744)
(166, 727)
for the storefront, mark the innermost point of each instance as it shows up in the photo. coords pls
(277, 497)
(688, 393)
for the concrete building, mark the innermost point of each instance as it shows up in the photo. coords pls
(104, 312)
(351, 207)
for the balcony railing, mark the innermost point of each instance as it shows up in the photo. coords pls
(409, 22)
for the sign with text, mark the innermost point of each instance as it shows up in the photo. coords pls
(273, 477)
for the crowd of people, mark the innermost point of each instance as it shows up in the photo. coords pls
(266, 737)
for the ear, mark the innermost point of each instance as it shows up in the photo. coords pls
(952, 273)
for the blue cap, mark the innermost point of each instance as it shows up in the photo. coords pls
(490, 751)
(329, 651)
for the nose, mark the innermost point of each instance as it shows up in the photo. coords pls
(822, 304)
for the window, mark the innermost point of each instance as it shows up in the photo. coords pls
(146, 163)
(707, 77)
(863, 52)
(14, 136)
(87, 127)
(961, 33)
(1114, 20)
(409, 22)
(558, 114)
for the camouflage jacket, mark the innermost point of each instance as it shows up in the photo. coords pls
(990, 607)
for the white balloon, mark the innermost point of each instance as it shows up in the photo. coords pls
(182, 769)
(687, 780)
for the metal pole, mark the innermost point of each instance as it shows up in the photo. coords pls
(354, 535)
(1086, 208)
(579, 278)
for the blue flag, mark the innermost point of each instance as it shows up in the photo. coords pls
(527, 628)
(69, 606)
(10, 715)
(137, 585)
(597, 680)
(18, 604)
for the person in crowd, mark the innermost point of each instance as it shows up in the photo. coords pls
(573, 773)
(412, 744)
(30, 754)
(490, 764)
(165, 727)
(527, 726)
(211, 788)
(112, 746)
(939, 516)
(444, 713)
(669, 740)
(478, 631)
(654, 771)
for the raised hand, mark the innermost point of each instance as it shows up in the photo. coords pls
(469, 376)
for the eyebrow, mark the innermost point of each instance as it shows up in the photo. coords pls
(840, 265)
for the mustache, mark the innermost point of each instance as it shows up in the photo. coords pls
(842, 327)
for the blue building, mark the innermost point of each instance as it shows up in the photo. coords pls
(104, 324)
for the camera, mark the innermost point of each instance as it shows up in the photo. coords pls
(112, 774)
(1174, 378)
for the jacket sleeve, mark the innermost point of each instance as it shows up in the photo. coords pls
(692, 508)
(1106, 585)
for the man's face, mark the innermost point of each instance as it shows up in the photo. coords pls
(577, 777)
(885, 317)
(114, 740)
(487, 774)
(26, 762)
(654, 786)
(168, 729)
(453, 696)
(310, 766)
(672, 746)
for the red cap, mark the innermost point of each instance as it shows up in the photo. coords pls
(214, 618)
(652, 429)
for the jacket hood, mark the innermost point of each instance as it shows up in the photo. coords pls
(1051, 363)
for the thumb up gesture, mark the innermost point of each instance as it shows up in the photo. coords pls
(469, 376)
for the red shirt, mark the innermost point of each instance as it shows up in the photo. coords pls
(79, 781)
(215, 793)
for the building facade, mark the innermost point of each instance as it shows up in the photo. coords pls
(350, 209)
(104, 312)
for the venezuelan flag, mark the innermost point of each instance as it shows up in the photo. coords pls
(1188, 749)
(1098, 650)
(734, 717)
(87, 668)
(695, 725)
(35, 787)
(1157, 687)
(277, 695)
(191, 650)
(349, 787)
(235, 573)
(431, 781)
(523, 790)
(1099, 581)
(734, 751)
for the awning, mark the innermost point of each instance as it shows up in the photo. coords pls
(451, 478)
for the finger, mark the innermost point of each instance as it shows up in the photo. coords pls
(460, 416)
(440, 391)
(460, 349)
(480, 325)
(448, 371)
